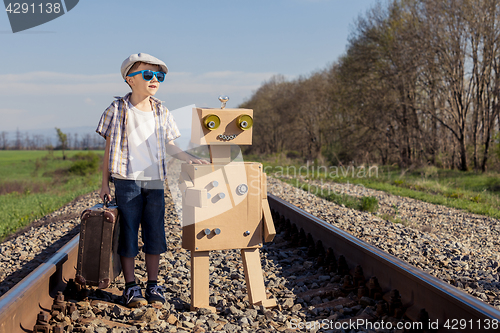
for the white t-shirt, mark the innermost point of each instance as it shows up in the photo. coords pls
(142, 146)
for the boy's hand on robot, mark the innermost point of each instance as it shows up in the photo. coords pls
(197, 161)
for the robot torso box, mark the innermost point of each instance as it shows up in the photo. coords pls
(222, 205)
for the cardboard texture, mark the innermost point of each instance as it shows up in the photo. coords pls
(196, 197)
(254, 278)
(220, 154)
(224, 204)
(200, 280)
(269, 231)
(233, 215)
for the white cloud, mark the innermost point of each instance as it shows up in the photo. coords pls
(215, 82)
(89, 101)
(56, 77)
(53, 83)
(10, 112)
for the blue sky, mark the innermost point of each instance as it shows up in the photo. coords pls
(64, 73)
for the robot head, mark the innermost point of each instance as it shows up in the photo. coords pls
(222, 126)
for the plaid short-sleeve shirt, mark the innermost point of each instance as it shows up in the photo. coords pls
(113, 123)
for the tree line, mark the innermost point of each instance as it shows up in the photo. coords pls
(63, 141)
(419, 83)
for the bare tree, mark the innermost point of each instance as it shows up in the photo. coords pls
(63, 140)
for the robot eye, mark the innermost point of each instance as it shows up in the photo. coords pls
(245, 122)
(211, 122)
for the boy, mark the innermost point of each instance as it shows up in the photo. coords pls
(139, 132)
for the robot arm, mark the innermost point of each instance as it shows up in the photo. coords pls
(267, 219)
(269, 231)
(192, 196)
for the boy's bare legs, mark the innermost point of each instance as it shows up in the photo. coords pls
(152, 266)
(128, 265)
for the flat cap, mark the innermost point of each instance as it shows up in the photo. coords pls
(142, 57)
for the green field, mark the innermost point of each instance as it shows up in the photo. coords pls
(477, 193)
(35, 183)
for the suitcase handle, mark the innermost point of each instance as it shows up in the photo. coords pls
(106, 201)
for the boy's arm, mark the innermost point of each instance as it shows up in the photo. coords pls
(179, 154)
(105, 192)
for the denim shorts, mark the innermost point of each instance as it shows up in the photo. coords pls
(141, 202)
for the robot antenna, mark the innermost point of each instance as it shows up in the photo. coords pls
(223, 100)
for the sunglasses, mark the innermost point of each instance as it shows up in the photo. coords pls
(147, 75)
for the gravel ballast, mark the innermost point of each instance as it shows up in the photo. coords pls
(455, 246)
(458, 247)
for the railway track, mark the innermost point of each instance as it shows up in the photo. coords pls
(402, 291)
(424, 297)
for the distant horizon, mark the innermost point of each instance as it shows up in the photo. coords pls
(82, 131)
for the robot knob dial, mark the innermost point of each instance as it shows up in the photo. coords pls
(242, 189)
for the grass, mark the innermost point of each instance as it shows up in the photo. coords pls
(477, 193)
(35, 183)
(368, 204)
(394, 219)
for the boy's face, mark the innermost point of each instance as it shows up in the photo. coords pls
(141, 86)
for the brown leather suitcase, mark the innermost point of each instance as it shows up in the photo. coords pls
(98, 260)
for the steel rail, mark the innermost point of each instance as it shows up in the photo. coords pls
(20, 306)
(419, 290)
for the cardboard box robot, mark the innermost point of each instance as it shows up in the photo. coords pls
(224, 203)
